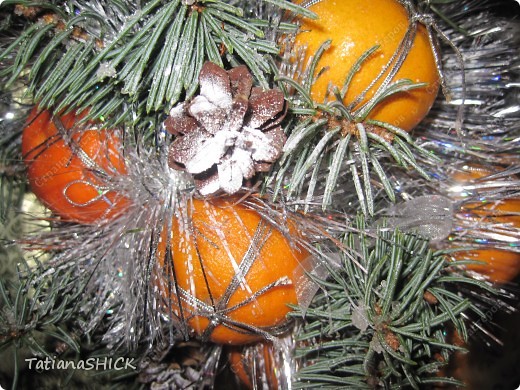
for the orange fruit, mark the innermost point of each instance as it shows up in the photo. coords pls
(59, 174)
(254, 364)
(355, 26)
(499, 265)
(238, 366)
(210, 249)
(468, 173)
(505, 211)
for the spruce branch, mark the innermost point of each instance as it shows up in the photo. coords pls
(35, 310)
(384, 327)
(12, 183)
(142, 61)
(341, 138)
(336, 145)
(372, 145)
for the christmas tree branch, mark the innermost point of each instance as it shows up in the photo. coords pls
(341, 129)
(146, 60)
(386, 325)
(322, 144)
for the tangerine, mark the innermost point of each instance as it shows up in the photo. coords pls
(468, 173)
(234, 271)
(355, 26)
(62, 169)
(498, 265)
(254, 366)
(505, 211)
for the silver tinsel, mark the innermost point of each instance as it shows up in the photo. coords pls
(116, 261)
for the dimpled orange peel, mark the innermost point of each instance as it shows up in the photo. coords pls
(234, 271)
(497, 265)
(64, 177)
(355, 26)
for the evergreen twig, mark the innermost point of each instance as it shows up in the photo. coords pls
(142, 60)
(383, 332)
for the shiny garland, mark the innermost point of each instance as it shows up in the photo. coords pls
(116, 284)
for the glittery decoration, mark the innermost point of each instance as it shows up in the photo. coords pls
(255, 264)
(229, 132)
(265, 365)
(306, 274)
(112, 264)
(431, 216)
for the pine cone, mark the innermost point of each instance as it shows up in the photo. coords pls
(227, 133)
(181, 367)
